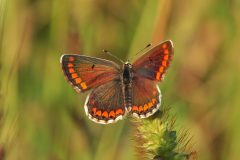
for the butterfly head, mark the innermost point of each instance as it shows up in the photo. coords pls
(127, 65)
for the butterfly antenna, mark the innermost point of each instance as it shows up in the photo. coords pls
(109, 53)
(148, 45)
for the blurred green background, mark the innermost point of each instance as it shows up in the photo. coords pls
(41, 116)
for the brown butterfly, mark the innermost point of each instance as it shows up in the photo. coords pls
(119, 90)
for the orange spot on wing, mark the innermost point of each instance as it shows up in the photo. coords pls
(164, 63)
(164, 46)
(71, 59)
(94, 110)
(83, 85)
(145, 107)
(74, 75)
(70, 65)
(78, 80)
(98, 113)
(105, 114)
(134, 108)
(140, 108)
(112, 114)
(119, 111)
(158, 76)
(71, 70)
(166, 51)
(154, 100)
(161, 69)
(150, 104)
(166, 57)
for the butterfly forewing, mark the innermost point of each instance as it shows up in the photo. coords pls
(154, 63)
(85, 72)
(105, 104)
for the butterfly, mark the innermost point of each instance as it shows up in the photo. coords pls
(117, 91)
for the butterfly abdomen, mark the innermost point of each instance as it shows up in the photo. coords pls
(128, 95)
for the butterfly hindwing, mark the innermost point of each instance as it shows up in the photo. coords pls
(146, 97)
(85, 73)
(105, 104)
(154, 63)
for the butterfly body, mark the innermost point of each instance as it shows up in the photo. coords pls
(126, 78)
(119, 90)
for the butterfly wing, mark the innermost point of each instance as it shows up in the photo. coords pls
(147, 71)
(105, 103)
(85, 73)
(154, 63)
(146, 97)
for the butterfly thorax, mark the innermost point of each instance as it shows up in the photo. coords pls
(127, 76)
(127, 73)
